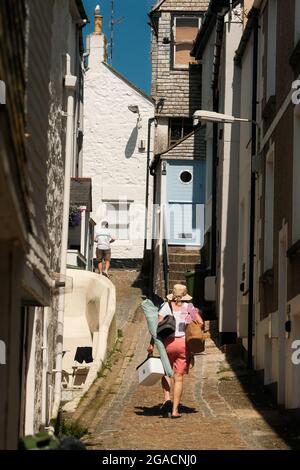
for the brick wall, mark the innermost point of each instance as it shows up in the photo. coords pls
(189, 5)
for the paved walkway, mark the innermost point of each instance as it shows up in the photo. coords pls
(128, 284)
(223, 406)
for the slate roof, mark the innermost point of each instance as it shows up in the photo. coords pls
(157, 5)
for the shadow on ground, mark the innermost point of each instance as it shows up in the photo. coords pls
(156, 411)
(285, 423)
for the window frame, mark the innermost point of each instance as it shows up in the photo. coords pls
(182, 134)
(118, 225)
(192, 15)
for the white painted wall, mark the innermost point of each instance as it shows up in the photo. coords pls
(228, 180)
(244, 178)
(207, 103)
(111, 155)
(89, 315)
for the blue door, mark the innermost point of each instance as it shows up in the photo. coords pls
(186, 199)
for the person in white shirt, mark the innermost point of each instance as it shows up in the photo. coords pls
(103, 238)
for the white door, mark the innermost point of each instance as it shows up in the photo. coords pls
(186, 200)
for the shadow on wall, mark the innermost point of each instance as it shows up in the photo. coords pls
(131, 144)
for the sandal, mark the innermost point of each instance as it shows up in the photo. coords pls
(166, 407)
(176, 416)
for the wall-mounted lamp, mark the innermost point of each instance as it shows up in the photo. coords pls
(136, 110)
(164, 168)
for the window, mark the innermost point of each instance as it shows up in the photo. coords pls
(185, 32)
(186, 177)
(179, 128)
(117, 214)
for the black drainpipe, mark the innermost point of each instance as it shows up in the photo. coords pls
(152, 171)
(252, 197)
(214, 185)
(150, 121)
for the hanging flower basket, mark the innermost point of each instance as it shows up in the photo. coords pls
(74, 216)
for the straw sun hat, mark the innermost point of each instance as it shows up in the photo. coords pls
(179, 291)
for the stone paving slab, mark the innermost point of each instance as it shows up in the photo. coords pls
(223, 406)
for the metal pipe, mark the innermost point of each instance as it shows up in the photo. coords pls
(150, 121)
(252, 196)
(45, 367)
(65, 228)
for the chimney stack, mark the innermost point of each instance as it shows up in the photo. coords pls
(98, 20)
(96, 42)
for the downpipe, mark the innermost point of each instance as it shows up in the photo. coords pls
(252, 199)
(70, 85)
(45, 366)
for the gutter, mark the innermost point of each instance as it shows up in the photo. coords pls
(210, 18)
(81, 9)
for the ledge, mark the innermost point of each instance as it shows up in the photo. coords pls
(293, 250)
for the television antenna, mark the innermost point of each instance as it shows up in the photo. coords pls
(113, 22)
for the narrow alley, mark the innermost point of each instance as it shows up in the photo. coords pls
(223, 406)
(149, 151)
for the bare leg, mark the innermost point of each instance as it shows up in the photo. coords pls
(100, 267)
(107, 266)
(166, 386)
(178, 387)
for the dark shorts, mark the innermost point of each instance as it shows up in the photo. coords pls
(103, 255)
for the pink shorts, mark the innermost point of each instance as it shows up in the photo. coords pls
(178, 354)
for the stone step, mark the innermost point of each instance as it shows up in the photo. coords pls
(183, 250)
(172, 282)
(176, 275)
(183, 267)
(185, 258)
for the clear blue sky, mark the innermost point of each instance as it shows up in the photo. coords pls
(131, 54)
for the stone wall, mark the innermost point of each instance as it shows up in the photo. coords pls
(179, 88)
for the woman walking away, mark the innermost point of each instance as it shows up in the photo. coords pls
(175, 344)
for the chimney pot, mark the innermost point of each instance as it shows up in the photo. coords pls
(98, 20)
